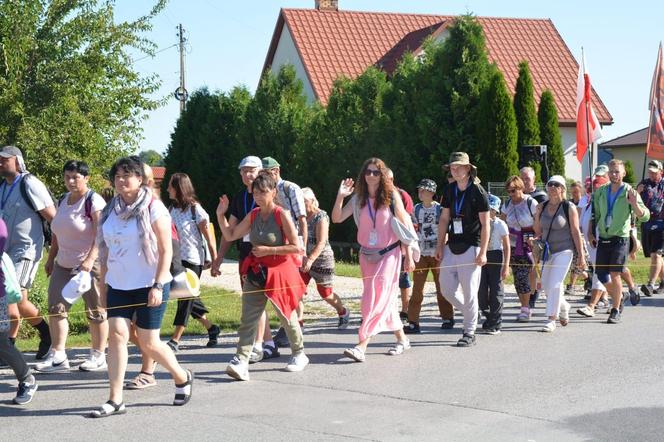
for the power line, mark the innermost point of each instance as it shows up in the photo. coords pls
(152, 55)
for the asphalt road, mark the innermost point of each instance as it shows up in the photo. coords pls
(587, 381)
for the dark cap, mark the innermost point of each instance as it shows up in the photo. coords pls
(270, 163)
(11, 151)
(428, 184)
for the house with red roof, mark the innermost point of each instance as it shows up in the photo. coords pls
(325, 42)
(629, 147)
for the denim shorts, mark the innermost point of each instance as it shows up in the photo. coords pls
(404, 278)
(123, 304)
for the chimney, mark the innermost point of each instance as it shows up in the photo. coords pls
(327, 5)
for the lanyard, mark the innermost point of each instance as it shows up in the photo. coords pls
(458, 204)
(253, 203)
(4, 198)
(372, 214)
(611, 201)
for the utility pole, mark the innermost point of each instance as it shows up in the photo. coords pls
(181, 93)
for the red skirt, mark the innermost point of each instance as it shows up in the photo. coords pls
(284, 285)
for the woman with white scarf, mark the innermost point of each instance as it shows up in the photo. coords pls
(135, 253)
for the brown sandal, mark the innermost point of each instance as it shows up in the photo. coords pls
(141, 381)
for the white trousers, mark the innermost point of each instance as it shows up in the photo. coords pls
(461, 270)
(553, 280)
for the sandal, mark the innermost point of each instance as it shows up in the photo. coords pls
(355, 354)
(270, 351)
(550, 327)
(564, 313)
(183, 391)
(108, 409)
(399, 348)
(141, 381)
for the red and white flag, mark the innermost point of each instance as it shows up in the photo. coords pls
(587, 125)
(655, 145)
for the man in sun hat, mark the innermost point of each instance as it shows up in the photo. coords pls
(464, 223)
(651, 190)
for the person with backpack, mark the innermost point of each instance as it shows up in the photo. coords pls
(272, 271)
(465, 225)
(26, 206)
(613, 207)
(557, 225)
(378, 212)
(27, 384)
(192, 224)
(426, 216)
(518, 213)
(74, 251)
(135, 253)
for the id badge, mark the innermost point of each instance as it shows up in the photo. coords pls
(246, 238)
(609, 218)
(373, 238)
(457, 226)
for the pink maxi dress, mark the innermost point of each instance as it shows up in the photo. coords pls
(381, 279)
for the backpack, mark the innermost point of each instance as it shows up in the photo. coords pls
(418, 207)
(529, 202)
(566, 205)
(46, 225)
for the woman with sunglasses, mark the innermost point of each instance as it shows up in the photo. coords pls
(557, 223)
(375, 202)
(518, 212)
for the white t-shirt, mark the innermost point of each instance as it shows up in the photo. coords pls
(498, 231)
(74, 230)
(427, 227)
(127, 267)
(191, 240)
(520, 215)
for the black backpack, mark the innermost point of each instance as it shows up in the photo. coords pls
(46, 225)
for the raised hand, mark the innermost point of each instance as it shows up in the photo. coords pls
(222, 207)
(346, 187)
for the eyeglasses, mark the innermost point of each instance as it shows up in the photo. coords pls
(553, 184)
(373, 172)
(512, 190)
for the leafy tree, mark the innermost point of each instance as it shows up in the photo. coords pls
(151, 157)
(68, 88)
(498, 131)
(526, 112)
(547, 116)
(629, 173)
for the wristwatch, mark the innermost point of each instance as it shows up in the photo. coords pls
(158, 286)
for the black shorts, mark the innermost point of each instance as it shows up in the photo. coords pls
(611, 257)
(651, 240)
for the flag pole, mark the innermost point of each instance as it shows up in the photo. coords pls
(590, 146)
(652, 108)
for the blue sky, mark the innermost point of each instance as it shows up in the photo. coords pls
(228, 41)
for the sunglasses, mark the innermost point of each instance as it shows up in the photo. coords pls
(512, 190)
(373, 172)
(553, 184)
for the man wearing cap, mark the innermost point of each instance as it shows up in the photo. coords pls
(426, 216)
(464, 222)
(613, 206)
(25, 242)
(291, 198)
(651, 190)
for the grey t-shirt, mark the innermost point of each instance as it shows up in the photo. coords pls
(26, 238)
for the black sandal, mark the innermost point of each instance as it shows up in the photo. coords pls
(110, 410)
(181, 398)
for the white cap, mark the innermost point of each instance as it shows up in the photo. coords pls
(79, 284)
(557, 179)
(250, 161)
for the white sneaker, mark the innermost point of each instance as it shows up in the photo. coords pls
(297, 362)
(51, 365)
(95, 362)
(238, 369)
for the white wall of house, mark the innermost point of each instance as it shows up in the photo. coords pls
(633, 154)
(572, 166)
(286, 53)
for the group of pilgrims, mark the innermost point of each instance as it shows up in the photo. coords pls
(120, 250)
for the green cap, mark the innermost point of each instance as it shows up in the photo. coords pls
(270, 163)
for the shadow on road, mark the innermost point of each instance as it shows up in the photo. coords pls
(634, 423)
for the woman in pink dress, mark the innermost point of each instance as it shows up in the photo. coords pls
(373, 206)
